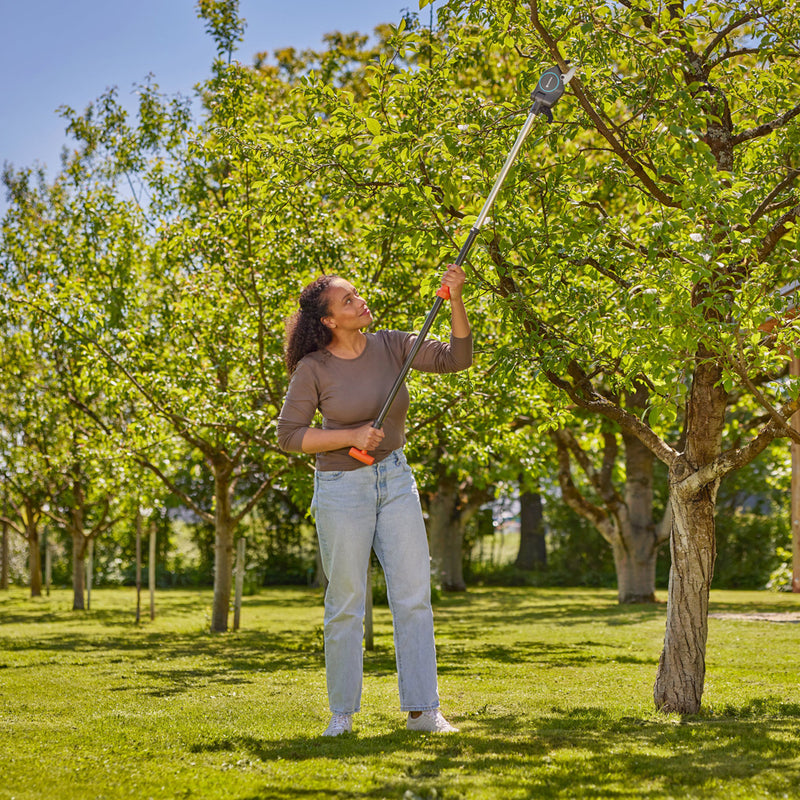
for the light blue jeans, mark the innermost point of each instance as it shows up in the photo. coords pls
(375, 507)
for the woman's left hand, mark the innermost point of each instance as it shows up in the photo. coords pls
(454, 279)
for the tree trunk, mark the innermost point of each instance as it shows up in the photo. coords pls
(532, 549)
(78, 549)
(4, 569)
(223, 549)
(446, 536)
(138, 565)
(626, 523)
(78, 569)
(636, 573)
(34, 552)
(89, 572)
(681, 669)
(636, 550)
(48, 565)
(151, 568)
(320, 578)
(241, 546)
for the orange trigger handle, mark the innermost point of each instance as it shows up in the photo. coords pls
(362, 455)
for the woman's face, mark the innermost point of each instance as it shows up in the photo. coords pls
(347, 310)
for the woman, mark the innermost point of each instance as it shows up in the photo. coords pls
(346, 374)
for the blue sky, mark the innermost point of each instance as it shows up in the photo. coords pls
(68, 52)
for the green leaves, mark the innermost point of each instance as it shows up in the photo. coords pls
(222, 23)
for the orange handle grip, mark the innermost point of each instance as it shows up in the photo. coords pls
(361, 455)
(444, 292)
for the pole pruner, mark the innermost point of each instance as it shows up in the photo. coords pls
(548, 91)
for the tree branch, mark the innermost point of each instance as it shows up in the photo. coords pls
(595, 264)
(572, 497)
(177, 421)
(11, 524)
(204, 515)
(728, 54)
(603, 129)
(259, 493)
(764, 206)
(766, 128)
(777, 232)
(741, 370)
(600, 479)
(435, 417)
(664, 527)
(728, 29)
(584, 395)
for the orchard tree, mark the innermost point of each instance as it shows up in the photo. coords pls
(26, 435)
(663, 233)
(198, 349)
(29, 412)
(55, 413)
(641, 242)
(607, 477)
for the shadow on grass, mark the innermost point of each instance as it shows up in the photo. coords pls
(764, 605)
(521, 607)
(571, 753)
(167, 664)
(24, 610)
(457, 659)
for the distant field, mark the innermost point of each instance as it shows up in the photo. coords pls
(552, 690)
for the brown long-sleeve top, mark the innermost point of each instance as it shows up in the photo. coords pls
(349, 393)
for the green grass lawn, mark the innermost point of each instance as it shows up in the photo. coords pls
(552, 690)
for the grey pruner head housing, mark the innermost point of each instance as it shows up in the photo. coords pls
(548, 91)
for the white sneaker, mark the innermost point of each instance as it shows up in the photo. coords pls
(432, 721)
(339, 724)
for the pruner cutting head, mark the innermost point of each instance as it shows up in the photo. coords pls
(549, 89)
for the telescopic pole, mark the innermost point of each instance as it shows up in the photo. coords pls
(549, 89)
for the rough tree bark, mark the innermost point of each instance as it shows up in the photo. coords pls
(697, 463)
(681, 669)
(34, 550)
(446, 537)
(223, 545)
(78, 551)
(4, 570)
(532, 547)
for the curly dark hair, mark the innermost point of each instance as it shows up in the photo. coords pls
(305, 332)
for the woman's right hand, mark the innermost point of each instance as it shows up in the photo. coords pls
(367, 437)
